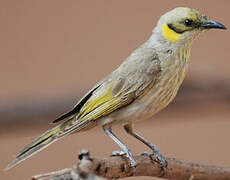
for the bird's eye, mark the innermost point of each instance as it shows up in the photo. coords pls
(188, 22)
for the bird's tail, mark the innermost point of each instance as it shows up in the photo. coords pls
(46, 139)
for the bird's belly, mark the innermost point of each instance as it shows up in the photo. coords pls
(160, 97)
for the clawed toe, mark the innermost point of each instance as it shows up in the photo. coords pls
(157, 157)
(133, 162)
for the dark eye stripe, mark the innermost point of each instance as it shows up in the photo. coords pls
(175, 29)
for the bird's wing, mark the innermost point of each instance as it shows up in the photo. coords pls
(119, 89)
(107, 98)
(123, 86)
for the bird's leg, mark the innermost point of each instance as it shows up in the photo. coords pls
(124, 148)
(160, 158)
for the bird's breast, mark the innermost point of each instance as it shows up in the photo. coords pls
(174, 68)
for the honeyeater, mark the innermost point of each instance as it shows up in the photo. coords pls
(146, 82)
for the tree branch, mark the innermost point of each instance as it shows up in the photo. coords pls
(118, 167)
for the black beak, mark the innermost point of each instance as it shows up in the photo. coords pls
(209, 24)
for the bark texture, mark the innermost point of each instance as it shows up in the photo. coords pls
(118, 167)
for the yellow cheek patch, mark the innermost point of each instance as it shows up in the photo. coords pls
(169, 34)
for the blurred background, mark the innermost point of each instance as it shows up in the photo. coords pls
(54, 51)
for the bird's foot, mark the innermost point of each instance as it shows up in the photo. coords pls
(133, 162)
(156, 156)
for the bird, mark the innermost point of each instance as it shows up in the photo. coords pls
(145, 83)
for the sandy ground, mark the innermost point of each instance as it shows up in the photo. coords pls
(54, 49)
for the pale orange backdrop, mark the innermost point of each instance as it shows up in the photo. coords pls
(53, 51)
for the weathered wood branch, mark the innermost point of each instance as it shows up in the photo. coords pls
(118, 167)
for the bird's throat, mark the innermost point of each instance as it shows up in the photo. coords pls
(169, 34)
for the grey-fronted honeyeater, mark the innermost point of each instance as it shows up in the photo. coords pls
(146, 82)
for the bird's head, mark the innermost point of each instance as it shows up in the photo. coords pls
(182, 25)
